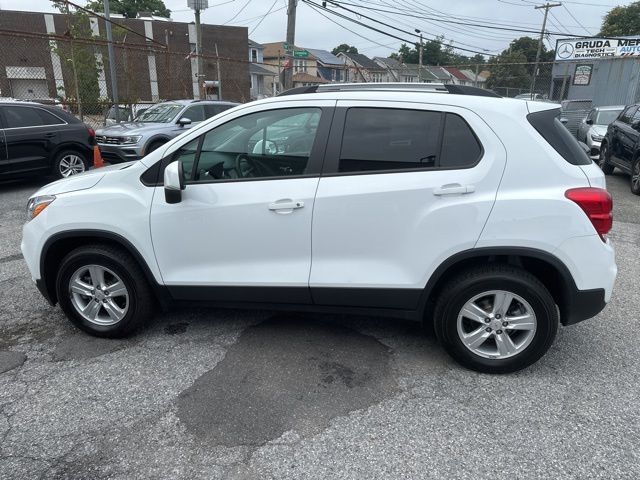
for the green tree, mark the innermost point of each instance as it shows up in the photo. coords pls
(345, 48)
(131, 8)
(435, 52)
(622, 21)
(82, 68)
(509, 71)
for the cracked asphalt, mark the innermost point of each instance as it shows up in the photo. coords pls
(207, 394)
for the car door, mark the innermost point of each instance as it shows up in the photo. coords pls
(403, 188)
(31, 134)
(624, 139)
(242, 230)
(196, 113)
(4, 164)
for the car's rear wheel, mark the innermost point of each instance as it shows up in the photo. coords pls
(103, 291)
(496, 319)
(635, 177)
(603, 161)
(68, 163)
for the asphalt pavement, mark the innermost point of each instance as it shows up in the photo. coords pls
(206, 394)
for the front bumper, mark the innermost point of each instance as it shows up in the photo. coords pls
(594, 149)
(120, 153)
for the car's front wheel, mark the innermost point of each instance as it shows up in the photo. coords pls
(103, 291)
(68, 163)
(603, 161)
(496, 319)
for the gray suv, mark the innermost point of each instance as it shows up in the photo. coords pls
(153, 127)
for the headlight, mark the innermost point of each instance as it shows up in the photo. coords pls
(596, 138)
(130, 140)
(37, 204)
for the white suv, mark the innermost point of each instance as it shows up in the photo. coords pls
(479, 216)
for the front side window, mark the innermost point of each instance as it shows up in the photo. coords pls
(195, 113)
(274, 143)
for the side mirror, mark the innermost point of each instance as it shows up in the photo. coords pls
(173, 182)
(184, 121)
(588, 121)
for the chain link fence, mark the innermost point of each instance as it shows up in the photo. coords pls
(70, 68)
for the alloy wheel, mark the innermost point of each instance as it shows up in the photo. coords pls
(98, 295)
(71, 165)
(496, 324)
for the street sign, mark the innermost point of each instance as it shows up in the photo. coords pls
(285, 45)
(301, 53)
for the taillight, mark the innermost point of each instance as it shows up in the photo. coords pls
(597, 204)
(92, 132)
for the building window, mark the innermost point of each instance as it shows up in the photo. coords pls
(300, 66)
(254, 55)
(376, 77)
(408, 78)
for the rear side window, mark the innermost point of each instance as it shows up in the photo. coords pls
(213, 110)
(384, 139)
(20, 117)
(556, 134)
(460, 147)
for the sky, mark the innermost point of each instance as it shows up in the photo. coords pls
(266, 21)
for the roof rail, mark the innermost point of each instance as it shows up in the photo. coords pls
(392, 87)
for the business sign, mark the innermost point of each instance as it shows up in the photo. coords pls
(582, 76)
(595, 48)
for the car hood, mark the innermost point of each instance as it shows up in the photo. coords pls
(600, 130)
(81, 181)
(131, 128)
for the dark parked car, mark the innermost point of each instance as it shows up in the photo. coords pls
(621, 146)
(39, 139)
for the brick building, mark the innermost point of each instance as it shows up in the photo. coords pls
(160, 66)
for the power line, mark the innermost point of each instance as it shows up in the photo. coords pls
(522, 30)
(265, 16)
(237, 13)
(576, 20)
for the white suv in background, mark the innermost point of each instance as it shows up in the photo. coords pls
(480, 216)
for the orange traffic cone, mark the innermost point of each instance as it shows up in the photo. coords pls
(97, 158)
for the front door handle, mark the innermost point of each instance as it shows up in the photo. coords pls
(285, 205)
(453, 189)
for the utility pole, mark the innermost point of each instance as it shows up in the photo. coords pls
(196, 6)
(112, 60)
(546, 7)
(219, 77)
(199, 74)
(419, 58)
(291, 39)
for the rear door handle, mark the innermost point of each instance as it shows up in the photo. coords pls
(285, 205)
(453, 189)
(50, 135)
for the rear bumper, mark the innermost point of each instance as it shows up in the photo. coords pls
(583, 305)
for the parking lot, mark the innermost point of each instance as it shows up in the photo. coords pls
(244, 394)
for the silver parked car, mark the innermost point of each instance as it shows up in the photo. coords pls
(594, 127)
(155, 126)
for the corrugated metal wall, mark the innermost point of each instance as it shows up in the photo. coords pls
(613, 81)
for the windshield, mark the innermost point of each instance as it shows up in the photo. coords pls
(605, 117)
(162, 113)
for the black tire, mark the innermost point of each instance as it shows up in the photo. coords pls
(635, 176)
(603, 161)
(465, 286)
(154, 146)
(140, 296)
(58, 169)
